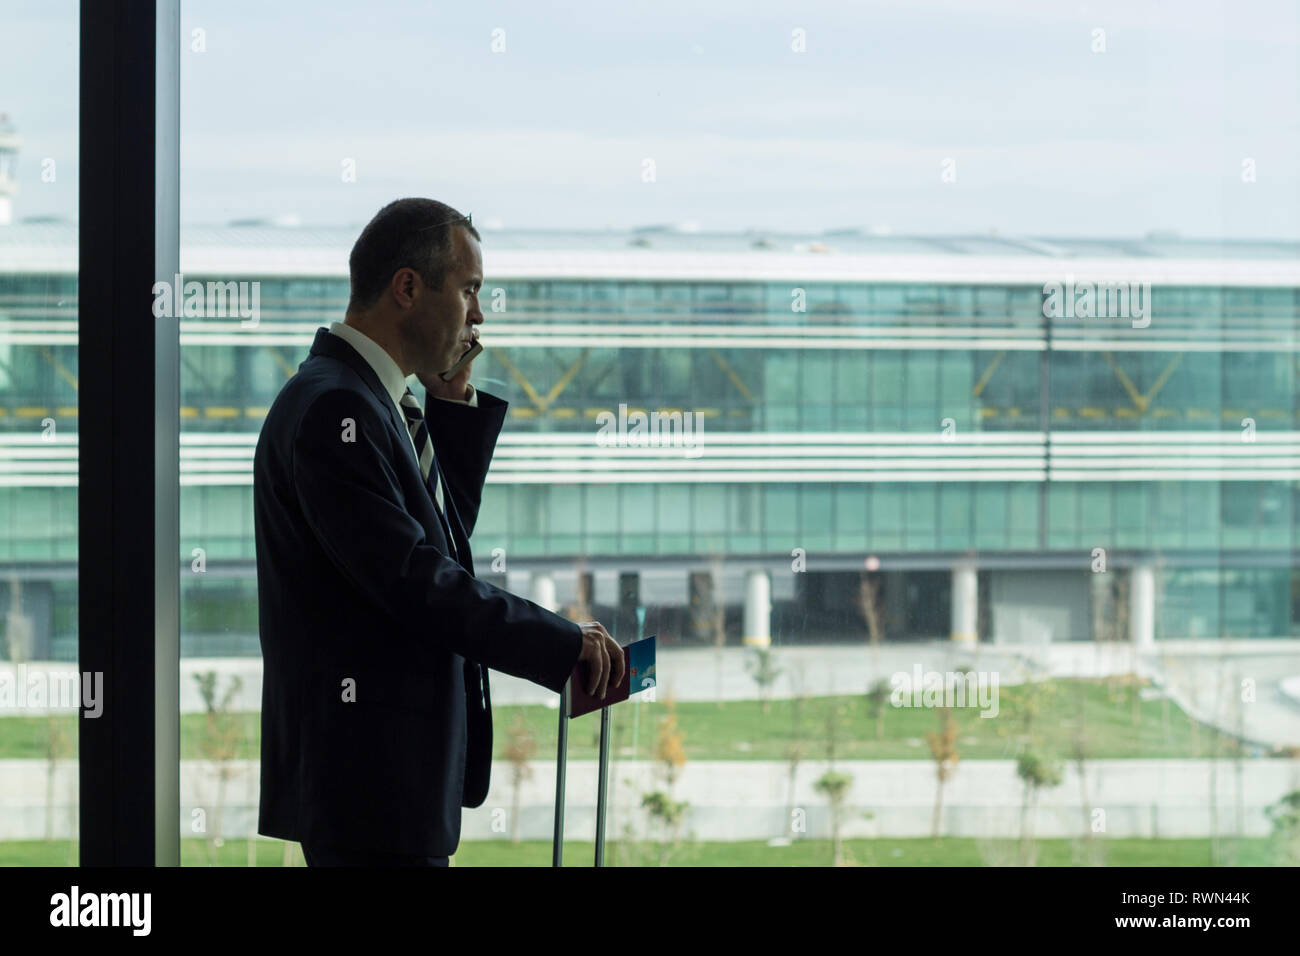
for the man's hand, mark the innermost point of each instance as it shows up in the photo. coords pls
(599, 650)
(456, 389)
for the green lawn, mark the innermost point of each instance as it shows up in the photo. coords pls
(739, 730)
(950, 851)
(1064, 711)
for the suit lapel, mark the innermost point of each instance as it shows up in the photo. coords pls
(332, 346)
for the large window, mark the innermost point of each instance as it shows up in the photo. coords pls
(917, 380)
(41, 685)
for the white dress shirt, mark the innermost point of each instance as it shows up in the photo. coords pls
(390, 376)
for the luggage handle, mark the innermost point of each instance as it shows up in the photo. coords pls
(602, 785)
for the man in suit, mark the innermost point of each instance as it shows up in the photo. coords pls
(376, 636)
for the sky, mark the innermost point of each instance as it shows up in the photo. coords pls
(1037, 118)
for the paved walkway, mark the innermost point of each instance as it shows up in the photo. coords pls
(753, 800)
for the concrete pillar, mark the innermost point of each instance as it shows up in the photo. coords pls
(893, 598)
(704, 620)
(1102, 599)
(30, 617)
(1142, 606)
(543, 590)
(585, 595)
(965, 604)
(758, 609)
(629, 599)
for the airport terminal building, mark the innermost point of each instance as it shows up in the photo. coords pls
(770, 437)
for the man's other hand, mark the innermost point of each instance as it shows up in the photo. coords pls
(600, 650)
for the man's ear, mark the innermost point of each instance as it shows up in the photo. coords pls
(402, 286)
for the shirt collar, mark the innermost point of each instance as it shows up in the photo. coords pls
(390, 376)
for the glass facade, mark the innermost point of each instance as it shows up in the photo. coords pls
(847, 419)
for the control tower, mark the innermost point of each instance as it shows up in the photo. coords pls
(9, 143)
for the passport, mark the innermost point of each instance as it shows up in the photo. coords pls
(638, 675)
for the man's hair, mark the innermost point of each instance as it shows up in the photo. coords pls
(407, 233)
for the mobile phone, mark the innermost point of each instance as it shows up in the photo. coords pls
(469, 356)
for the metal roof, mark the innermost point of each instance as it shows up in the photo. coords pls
(664, 253)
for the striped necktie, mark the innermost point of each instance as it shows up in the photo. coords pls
(424, 452)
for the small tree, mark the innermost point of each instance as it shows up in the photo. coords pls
(669, 747)
(218, 743)
(795, 751)
(878, 705)
(521, 745)
(629, 849)
(57, 746)
(835, 785)
(943, 748)
(670, 813)
(1285, 816)
(1037, 772)
(762, 666)
(1037, 695)
(1079, 751)
(670, 753)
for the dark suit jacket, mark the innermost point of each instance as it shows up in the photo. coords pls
(376, 714)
